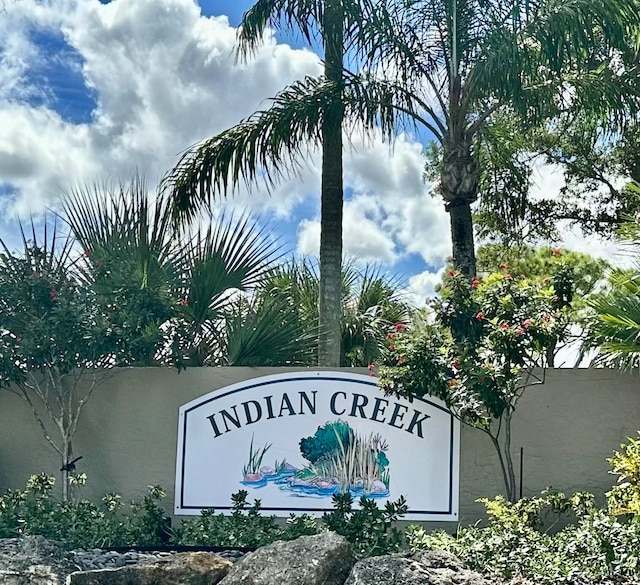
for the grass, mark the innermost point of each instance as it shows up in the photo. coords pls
(255, 459)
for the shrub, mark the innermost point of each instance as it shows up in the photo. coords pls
(514, 545)
(371, 530)
(624, 497)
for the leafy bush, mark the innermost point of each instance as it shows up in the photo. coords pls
(245, 527)
(624, 497)
(370, 529)
(514, 545)
(82, 524)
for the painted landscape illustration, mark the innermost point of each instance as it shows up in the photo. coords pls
(339, 460)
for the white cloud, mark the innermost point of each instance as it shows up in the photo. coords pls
(390, 212)
(422, 286)
(164, 77)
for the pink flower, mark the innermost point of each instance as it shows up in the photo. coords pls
(457, 365)
(479, 315)
(184, 302)
(475, 282)
(556, 252)
(504, 326)
(503, 266)
(451, 273)
(53, 294)
(392, 347)
(519, 330)
(390, 335)
(371, 367)
(527, 323)
(400, 326)
(507, 276)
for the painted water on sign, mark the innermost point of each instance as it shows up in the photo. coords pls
(295, 440)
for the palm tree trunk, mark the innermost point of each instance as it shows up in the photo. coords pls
(459, 187)
(463, 246)
(331, 194)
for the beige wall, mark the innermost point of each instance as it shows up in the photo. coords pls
(127, 435)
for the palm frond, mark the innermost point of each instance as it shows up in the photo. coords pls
(268, 333)
(230, 255)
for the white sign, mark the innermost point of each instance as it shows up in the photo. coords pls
(293, 440)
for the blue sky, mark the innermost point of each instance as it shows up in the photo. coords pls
(93, 91)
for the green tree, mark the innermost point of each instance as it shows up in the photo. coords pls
(540, 264)
(56, 345)
(259, 141)
(478, 350)
(163, 282)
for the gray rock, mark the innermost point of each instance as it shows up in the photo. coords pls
(198, 568)
(424, 568)
(323, 559)
(33, 560)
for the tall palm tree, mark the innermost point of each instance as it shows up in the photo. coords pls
(445, 65)
(243, 148)
(469, 60)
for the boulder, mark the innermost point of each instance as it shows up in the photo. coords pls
(424, 568)
(322, 559)
(33, 560)
(198, 568)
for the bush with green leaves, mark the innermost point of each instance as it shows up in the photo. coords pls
(520, 542)
(369, 529)
(624, 497)
(80, 523)
(244, 527)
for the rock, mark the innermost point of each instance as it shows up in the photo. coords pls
(322, 559)
(198, 568)
(33, 560)
(424, 568)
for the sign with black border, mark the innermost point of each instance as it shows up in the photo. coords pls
(293, 440)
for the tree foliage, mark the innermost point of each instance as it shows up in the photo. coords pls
(477, 348)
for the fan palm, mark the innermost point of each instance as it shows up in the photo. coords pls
(613, 330)
(152, 277)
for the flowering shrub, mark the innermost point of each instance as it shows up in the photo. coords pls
(476, 348)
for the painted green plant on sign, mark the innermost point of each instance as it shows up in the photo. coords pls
(340, 461)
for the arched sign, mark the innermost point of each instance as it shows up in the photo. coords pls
(293, 440)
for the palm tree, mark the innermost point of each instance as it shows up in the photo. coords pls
(469, 60)
(371, 304)
(259, 141)
(613, 329)
(446, 65)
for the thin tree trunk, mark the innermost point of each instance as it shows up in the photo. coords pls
(331, 194)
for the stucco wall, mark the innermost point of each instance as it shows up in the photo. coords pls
(567, 427)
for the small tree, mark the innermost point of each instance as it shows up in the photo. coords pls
(56, 345)
(477, 349)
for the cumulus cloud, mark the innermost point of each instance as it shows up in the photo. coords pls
(164, 77)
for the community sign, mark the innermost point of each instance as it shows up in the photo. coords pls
(294, 440)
